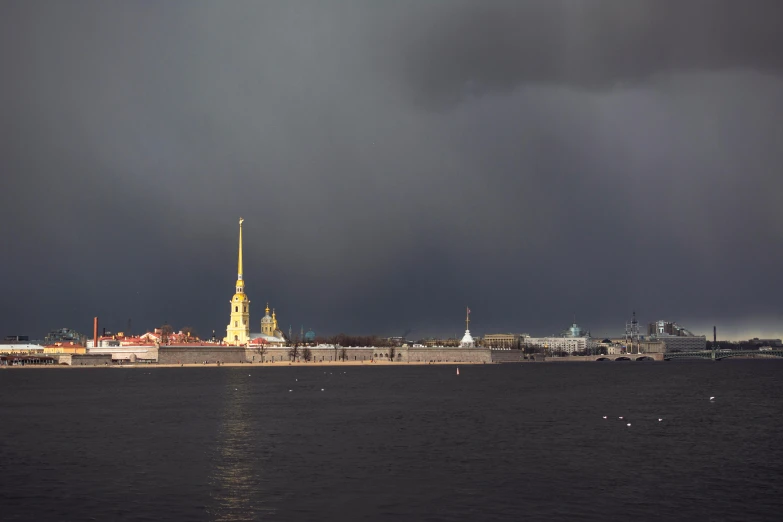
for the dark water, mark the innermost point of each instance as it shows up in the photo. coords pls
(511, 442)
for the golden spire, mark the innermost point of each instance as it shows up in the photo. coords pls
(239, 263)
(467, 318)
(267, 309)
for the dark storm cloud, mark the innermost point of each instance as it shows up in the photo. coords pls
(603, 156)
(457, 49)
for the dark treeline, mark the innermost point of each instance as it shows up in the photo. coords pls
(353, 340)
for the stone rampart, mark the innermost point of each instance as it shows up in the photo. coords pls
(438, 354)
(399, 354)
(127, 353)
(200, 354)
(281, 354)
(84, 359)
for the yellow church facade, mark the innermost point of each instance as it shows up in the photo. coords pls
(238, 329)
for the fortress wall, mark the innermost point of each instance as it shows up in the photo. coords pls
(127, 353)
(319, 354)
(474, 355)
(404, 354)
(85, 360)
(199, 354)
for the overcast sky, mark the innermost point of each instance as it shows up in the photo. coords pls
(394, 163)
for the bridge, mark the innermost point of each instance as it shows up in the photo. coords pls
(615, 357)
(717, 355)
(711, 355)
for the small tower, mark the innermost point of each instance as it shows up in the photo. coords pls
(268, 322)
(467, 339)
(632, 335)
(238, 329)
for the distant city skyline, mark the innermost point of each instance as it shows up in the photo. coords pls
(394, 163)
(736, 332)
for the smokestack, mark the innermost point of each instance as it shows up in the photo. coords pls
(95, 332)
(714, 334)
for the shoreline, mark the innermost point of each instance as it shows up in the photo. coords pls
(252, 365)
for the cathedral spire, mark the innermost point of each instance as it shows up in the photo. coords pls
(238, 329)
(239, 262)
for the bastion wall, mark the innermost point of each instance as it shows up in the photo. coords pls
(200, 354)
(403, 354)
(230, 354)
(84, 360)
(473, 355)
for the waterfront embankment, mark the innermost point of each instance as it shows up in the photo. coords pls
(249, 365)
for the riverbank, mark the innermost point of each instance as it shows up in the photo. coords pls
(253, 365)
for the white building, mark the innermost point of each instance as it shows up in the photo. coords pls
(560, 344)
(681, 343)
(21, 348)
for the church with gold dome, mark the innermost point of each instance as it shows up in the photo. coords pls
(238, 329)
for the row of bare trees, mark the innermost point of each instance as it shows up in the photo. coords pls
(354, 340)
(297, 352)
(166, 331)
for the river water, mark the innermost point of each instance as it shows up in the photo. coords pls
(497, 442)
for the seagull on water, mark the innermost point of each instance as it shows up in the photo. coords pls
(629, 424)
(659, 420)
(712, 398)
(604, 416)
(620, 418)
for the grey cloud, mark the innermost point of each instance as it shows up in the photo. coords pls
(454, 50)
(135, 134)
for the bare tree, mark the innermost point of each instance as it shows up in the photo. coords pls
(307, 354)
(293, 353)
(189, 332)
(165, 331)
(261, 351)
(344, 354)
(392, 353)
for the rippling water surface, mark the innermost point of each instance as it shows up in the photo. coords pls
(498, 442)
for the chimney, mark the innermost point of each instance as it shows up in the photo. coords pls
(95, 332)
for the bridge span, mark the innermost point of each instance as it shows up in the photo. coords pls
(717, 355)
(713, 355)
(616, 357)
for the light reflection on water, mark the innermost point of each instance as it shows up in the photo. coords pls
(237, 488)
